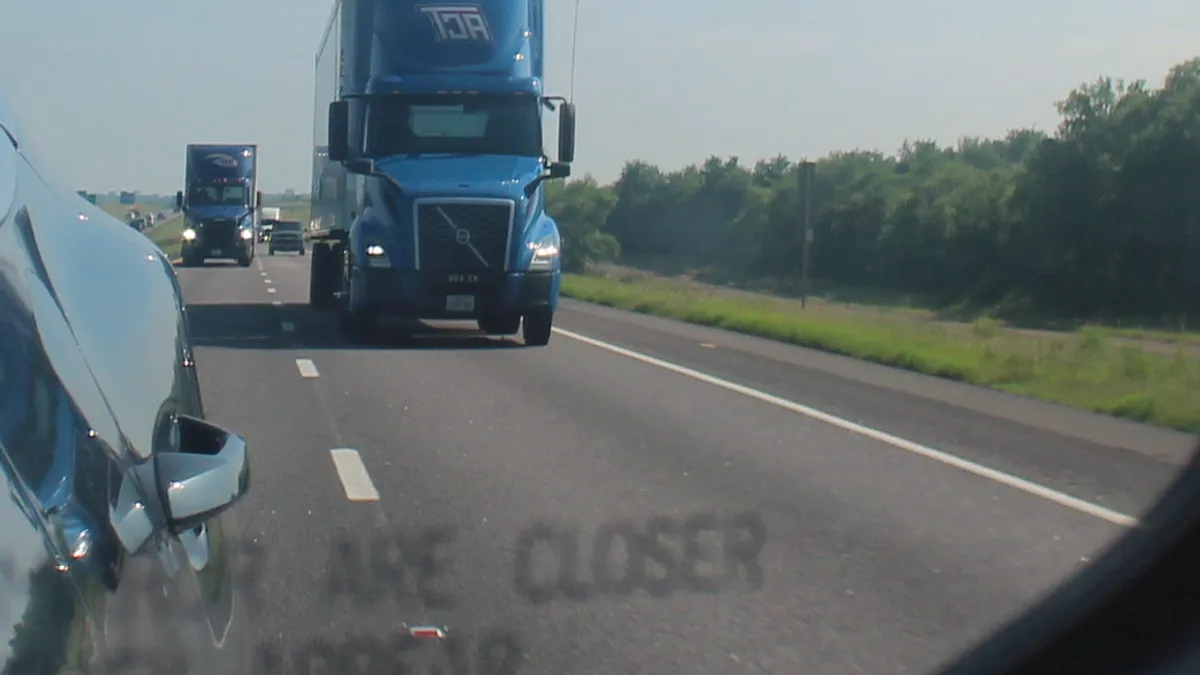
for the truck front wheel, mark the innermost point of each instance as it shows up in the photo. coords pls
(357, 324)
(536, 328)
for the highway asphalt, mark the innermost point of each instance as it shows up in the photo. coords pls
(854, 518)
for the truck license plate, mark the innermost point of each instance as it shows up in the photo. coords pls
(460, 303)
(216, 251)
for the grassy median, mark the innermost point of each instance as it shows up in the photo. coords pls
(1091, 369)
(168, 236)
(119, 210)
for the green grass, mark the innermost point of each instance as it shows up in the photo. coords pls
(1085, 369)
(119, 210)
(168, 236)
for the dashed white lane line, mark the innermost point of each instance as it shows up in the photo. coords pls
(940, 456)
(262, 273)
(277, 303)
(354, 476)
(307, 368)
(266, 281)
(270, 290)
(288, 327)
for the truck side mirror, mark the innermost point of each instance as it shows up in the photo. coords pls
(179, 200)
(566, 133)
(258, 200)
(339, 131)
(559, 170)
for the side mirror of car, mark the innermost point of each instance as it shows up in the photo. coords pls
(208, 472)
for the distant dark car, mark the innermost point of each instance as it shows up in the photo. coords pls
(286, 237)
(113, 552)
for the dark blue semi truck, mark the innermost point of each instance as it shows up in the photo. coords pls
(220, 203)
(427, 197)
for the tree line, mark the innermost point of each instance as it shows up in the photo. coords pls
(1099, 219)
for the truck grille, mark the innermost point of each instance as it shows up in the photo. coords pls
(464, 235)
(219, 233)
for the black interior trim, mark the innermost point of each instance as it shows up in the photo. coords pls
(1136, 610)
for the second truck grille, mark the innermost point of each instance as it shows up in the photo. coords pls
(219, 233)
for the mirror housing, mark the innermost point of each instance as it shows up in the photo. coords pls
(554, 170)
(179, 200)
(566, 133)
(363, 166)
(208, 472)
(339, 131)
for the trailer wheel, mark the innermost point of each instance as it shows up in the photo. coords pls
(321, 276)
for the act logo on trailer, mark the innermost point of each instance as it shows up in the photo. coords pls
(222, 160)
(458, 22)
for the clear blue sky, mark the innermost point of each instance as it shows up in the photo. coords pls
(110, 92)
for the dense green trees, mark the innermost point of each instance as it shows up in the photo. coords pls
(1100, 219)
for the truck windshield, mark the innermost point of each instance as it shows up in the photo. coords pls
(207, 195)
(287, 226)
(492, 125)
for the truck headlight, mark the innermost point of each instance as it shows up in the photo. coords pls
(189, 234)
(377, 257)
(544, 253)
(247, 235)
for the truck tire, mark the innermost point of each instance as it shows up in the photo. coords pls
(500, 325)
(192, 260)
(321, 276)
(244, 261)
(358, 326)
(536, 328)
(270, 251)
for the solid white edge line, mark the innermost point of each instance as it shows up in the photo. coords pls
(940, 456)
(353, 474)
(288, 326)
(307, 368)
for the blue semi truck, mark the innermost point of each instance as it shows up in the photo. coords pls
(428, 169)
(220, 203)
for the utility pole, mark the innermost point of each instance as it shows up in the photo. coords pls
(806, 176)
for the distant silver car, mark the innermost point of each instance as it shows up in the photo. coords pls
(287, 236)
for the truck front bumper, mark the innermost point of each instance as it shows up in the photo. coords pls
(442, 295)
(200, 249)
